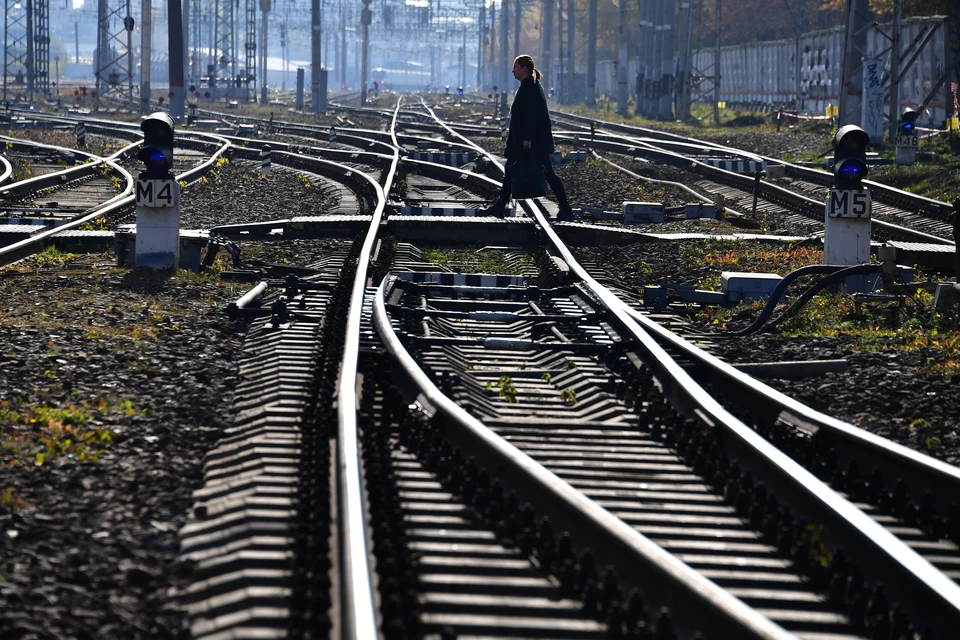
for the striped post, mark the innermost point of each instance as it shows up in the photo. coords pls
(333, 137)
(81, 132)
(265, 160)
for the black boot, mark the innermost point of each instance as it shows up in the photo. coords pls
(565, 214)
(498, 209)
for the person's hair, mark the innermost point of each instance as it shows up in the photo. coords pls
(527, 61)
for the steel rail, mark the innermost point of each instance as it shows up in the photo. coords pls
(76, 172)
(881, 190)
(19, 250)
(922, 473)
(359, 611)
(662, 578)
(7, 172)
(768, 190)
(926, 591)
(929, 594)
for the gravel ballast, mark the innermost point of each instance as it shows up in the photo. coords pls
(88, 548)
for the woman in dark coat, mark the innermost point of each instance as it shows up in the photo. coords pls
(530, 132)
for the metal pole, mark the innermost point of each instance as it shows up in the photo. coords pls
(186, 34)
(76, 42)
(493, 45)
(483, 30)
(571, 49)
(102, 41)
(265, 9)
(668, 15)
(592, 54)
(366, 17)
(547, 43)
(895, 70)
(561, 95)
(516, 31)
(315, 60)
(146, 28)
(30, 62)
(683, 81)
(716, 71)
(504, 26)
(621, 61)
(175, 48)
(655, 67)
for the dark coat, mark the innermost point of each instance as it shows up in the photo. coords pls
(530, 120)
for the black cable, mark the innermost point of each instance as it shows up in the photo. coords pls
(779, 290)
(833, 273)
(860, 269)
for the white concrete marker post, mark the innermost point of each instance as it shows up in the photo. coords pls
(158, 223)
(157, 197)
(333, 137)
(846, 239)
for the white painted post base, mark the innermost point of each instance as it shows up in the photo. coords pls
(158, 235)
(906, 156)
(846, 242)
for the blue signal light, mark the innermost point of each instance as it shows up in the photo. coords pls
(851, 170)
(157, 156)
(908, 126)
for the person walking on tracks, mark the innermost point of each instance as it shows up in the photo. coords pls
(530, 133)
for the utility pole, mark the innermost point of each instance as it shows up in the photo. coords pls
(667, 17)
(366, 16)
(516, 32)
(483, 32)
(146, 26)
(895, 70)
(504, 26)
(548, 76)
(175, 58)
(592, 55)
(264, 9)
(621, 61)
(855, 48)
(683, 65)
(716, 72)
(571, 49)
(561, 95)
(493, 45)
(315, 62)
(185, 17)
(655, 69)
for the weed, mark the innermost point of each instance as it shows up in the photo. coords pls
(52, 257)
(40, 432)
(568, 396)
(222, 162)
(569, 365)
(546, 377)
(304, 180)
(507, 389)
(12, 502)
(97, 224)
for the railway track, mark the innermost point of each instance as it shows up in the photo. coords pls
(522, 453)
(899, 215)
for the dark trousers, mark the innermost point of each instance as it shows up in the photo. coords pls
(556, 185)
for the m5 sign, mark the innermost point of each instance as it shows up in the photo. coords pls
(848, 203)
(157, 193)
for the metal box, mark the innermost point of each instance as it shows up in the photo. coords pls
(643, 212)
(743, 286)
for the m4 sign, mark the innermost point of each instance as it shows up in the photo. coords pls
(849, 203)
(157, 193)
